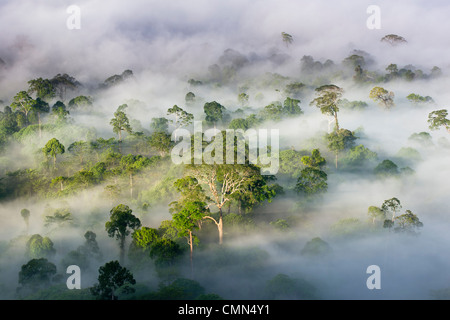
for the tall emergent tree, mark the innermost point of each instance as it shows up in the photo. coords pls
(327, 100)
(182, 117)
(23, 102)
(287, 38)
(187, 220)
(438, 118)
(119, 225)
(222, 182)
(383, 97)
(111, 277)
(52, 148)
(120, 121)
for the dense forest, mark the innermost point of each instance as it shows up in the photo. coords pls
(88, 178)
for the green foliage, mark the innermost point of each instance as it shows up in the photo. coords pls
(437, 119)
(386, 168)
(52, 148)
(36, 273)
(291, 162)
(215, 113)
(165, 252)
(352, 105)
(311, 181)
(39, 247)
(159, 125)
(119, 225)
(239, 123)
(280, 224)
(316, 247)
(112, 276)
(283, 287)
(407, 222)
(315, 160)
(43, 88)
(382, 96)
(375, 213)
(80, 102)
(180, 289)
(160, 142)
(359, 156)
(418, 99)
(348, 227)
(120, 122)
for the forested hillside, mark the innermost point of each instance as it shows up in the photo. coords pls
(91, 174)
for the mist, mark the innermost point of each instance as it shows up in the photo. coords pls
(229, 48)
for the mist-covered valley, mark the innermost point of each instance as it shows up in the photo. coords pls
(90, 116)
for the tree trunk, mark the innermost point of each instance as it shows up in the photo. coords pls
(191, 247)
(220, 226)
(337, 123)
(336, 160)
(131, 185)
(39, 125)
(54, 161)
(122, 250)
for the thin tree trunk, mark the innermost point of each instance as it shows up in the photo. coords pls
(220, 226)
(122, 250)
(131, 185)
(336, 160)
(39, 124)
(191, 247)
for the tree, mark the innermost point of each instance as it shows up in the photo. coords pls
(62, 82)
(238, 123)
(418, 99)
(43, 88)
(132, 164)
(39, 107)
(393, 71)
(243, 99)
(189, 98)
(182, 117)
(407, 222)
(291, 107)
(339, 140)
(120, 122)
(80, 102)
(311, 181)
(222, 181)
(391, 206)
(52, 148)
(159, 125)
(25, 213)
(186, 221)
(59, 112)
(23, 102)
(382, 96)
(111, 277)
(39, 247)
(287, 38)
(393, 39)
(119, 225)
(386, 168)
(60, 218)
(215, 112)
(79, 149)
(327, 100)
(315, 160)
(161, 142)
(437, 119)
(316, 247)
(36, 273)
(376, 213)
